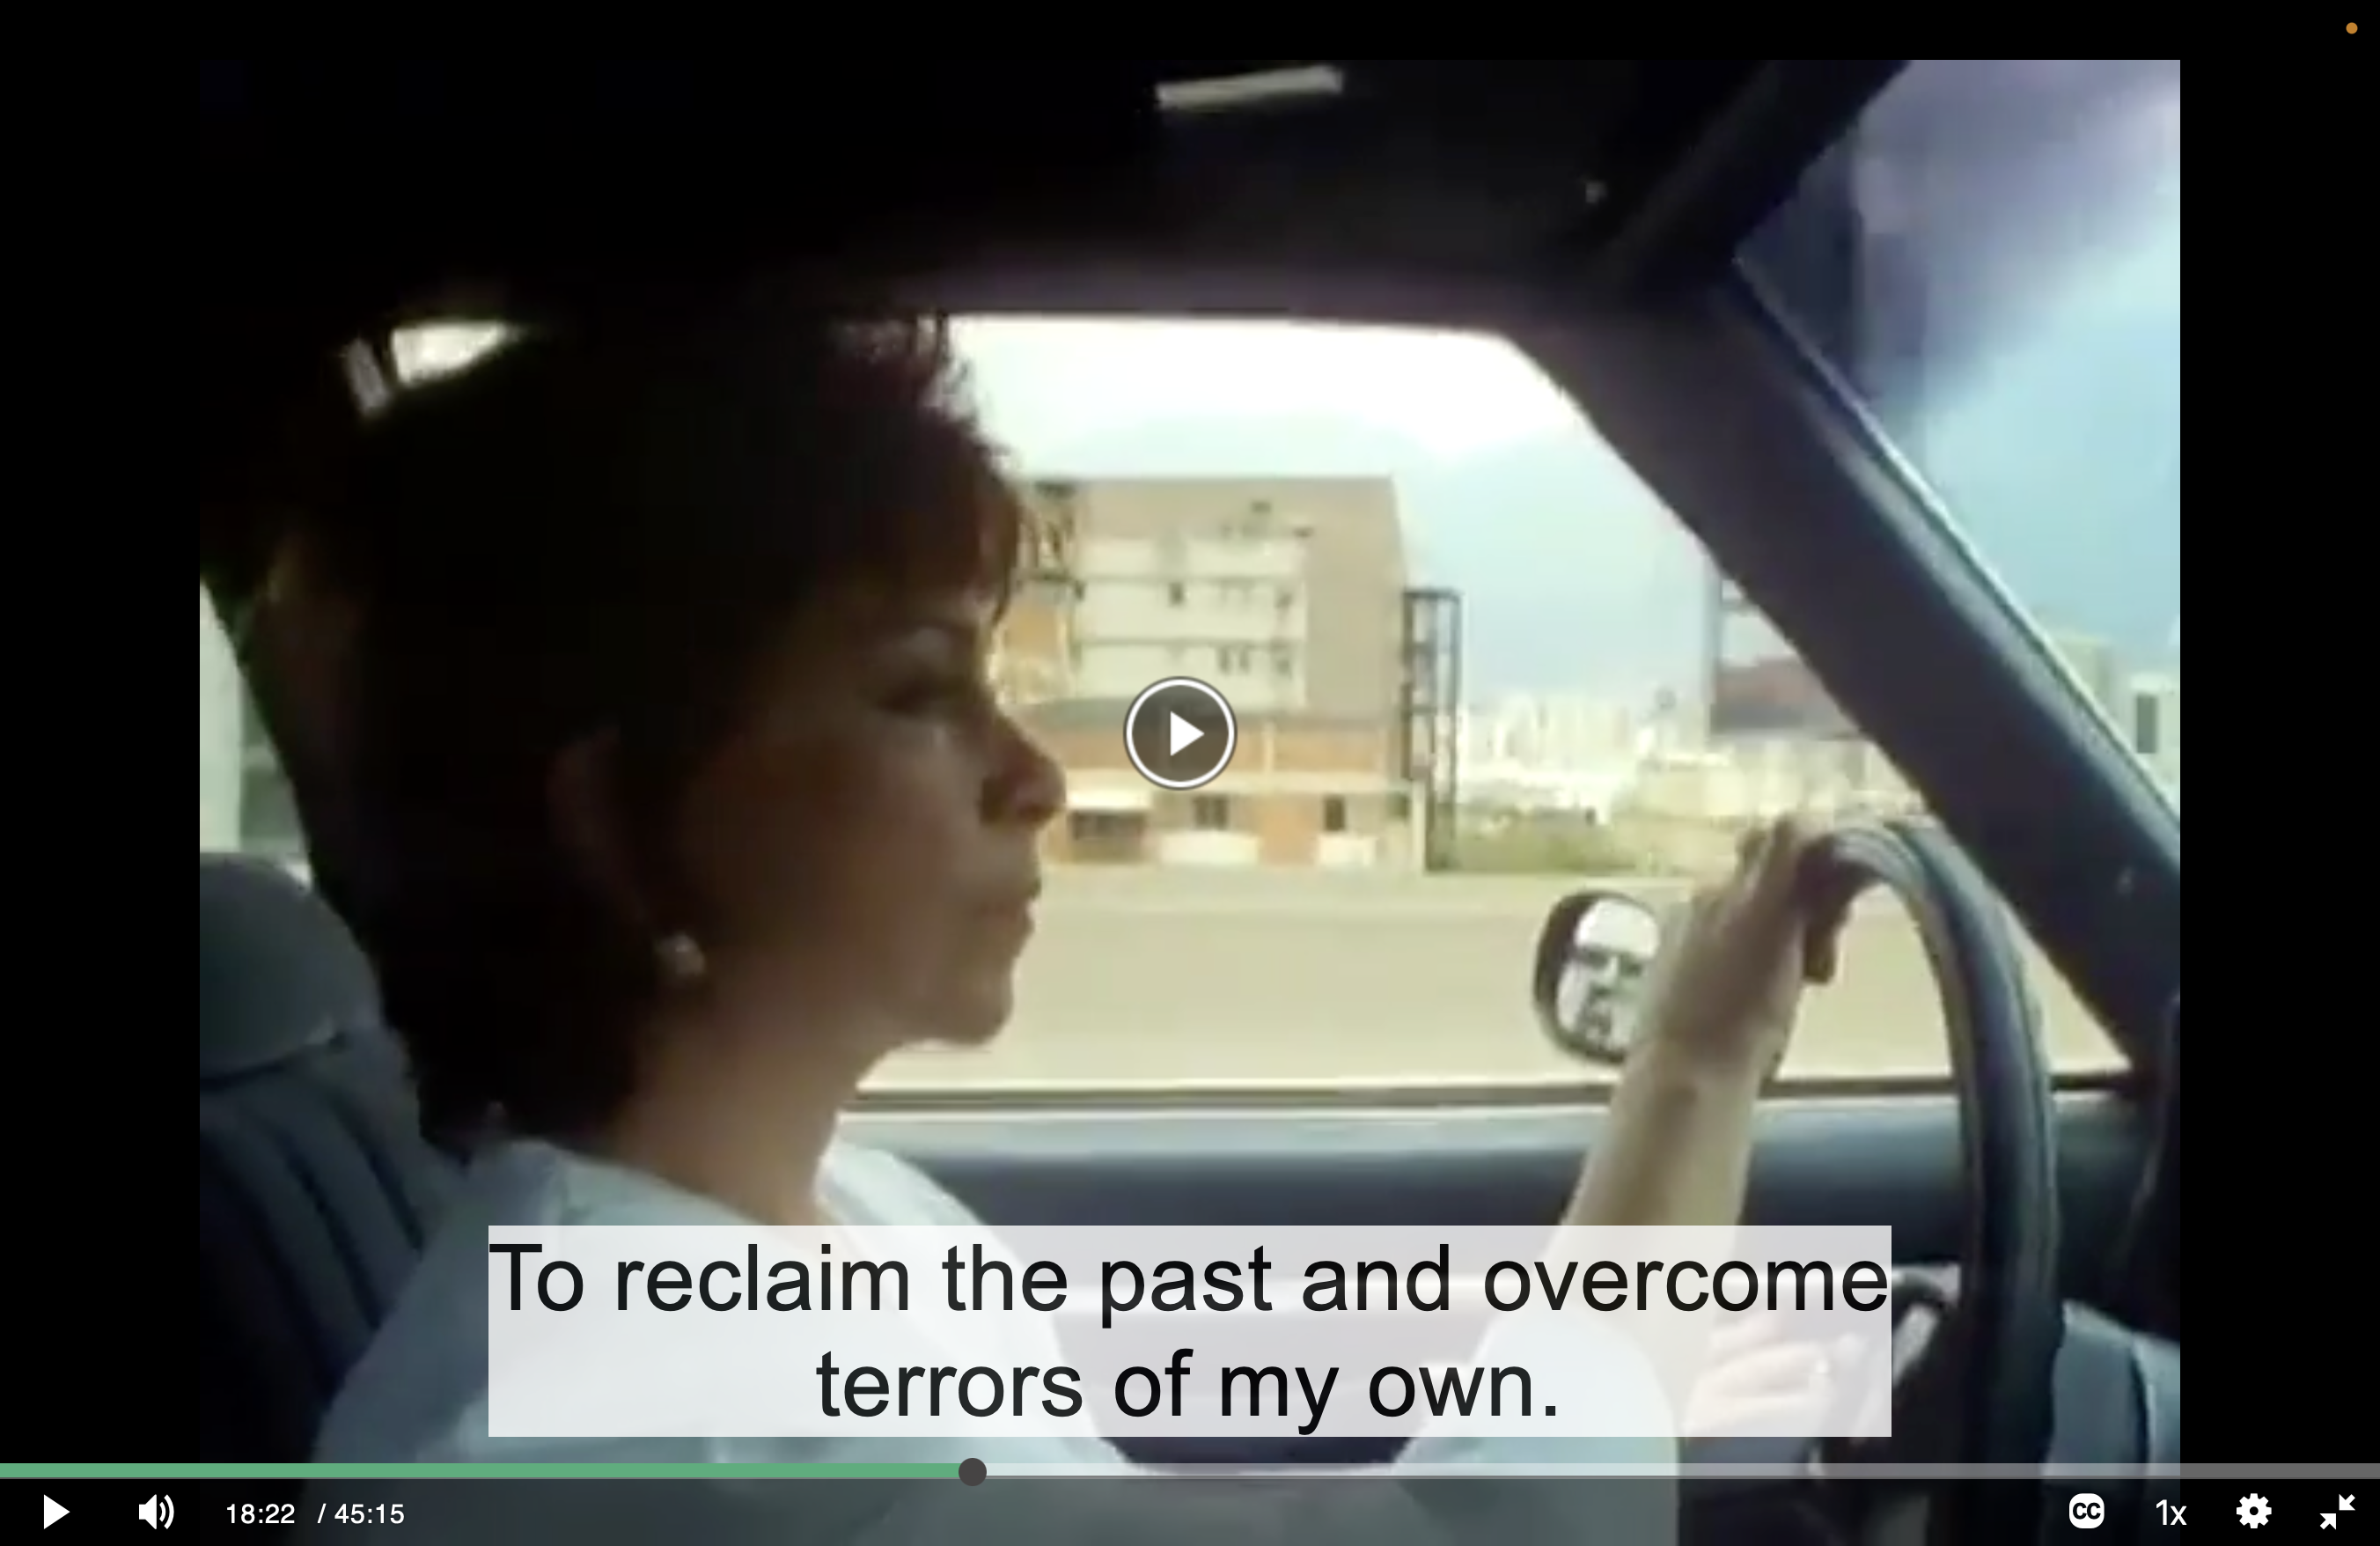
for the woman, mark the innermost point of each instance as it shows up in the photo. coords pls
(685, 800)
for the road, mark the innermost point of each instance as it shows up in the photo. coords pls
(1158, 977)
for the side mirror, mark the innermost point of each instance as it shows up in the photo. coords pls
(1591, 962)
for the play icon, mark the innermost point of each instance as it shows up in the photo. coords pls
(1180, 733)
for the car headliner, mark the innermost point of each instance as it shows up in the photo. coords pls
(499, 188)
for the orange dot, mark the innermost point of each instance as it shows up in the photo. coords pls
(2350, 27)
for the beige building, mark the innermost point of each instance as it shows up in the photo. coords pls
(1285, 595)
(1303, 791)
(2099, 668)
(2153, 725)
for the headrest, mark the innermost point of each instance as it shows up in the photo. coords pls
(278, 972)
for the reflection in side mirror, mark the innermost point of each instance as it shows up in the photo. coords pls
(1591, 963)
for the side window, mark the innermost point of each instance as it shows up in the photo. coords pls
(244, 798)
(1510, 671)
(223, 728)
(245, 805)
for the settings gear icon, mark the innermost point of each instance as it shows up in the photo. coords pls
(2254, 1511)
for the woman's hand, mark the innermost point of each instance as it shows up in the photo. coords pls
(1722, 992)
(1717, 1011)
(1764, 1378)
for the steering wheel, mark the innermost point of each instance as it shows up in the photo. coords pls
(1974, 1385)
(1975, 1345)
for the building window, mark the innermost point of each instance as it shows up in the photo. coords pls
(1235, 660)
(1177, 594)
(2148, 723)
(1212, 813)
(1284, 660)
(1334, 813)
(1254, 526)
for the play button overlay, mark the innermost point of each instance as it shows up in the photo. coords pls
(1179, 734)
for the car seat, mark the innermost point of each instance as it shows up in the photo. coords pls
(315, 1185)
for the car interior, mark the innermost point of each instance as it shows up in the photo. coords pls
(1592, 212)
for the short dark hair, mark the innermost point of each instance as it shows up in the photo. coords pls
(596, 530)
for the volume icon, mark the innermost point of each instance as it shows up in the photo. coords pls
(158, 1513)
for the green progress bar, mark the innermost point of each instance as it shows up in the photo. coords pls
(184, 1470)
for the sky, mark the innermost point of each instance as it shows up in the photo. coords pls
(1053, 385)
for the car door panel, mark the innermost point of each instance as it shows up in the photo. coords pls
(1889, 1160)
(1893, 1161)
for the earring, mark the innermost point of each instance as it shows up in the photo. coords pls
(681, 959)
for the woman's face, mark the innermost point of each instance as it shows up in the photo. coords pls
(862, 853)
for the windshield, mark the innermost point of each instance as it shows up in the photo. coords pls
(1992, 259)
